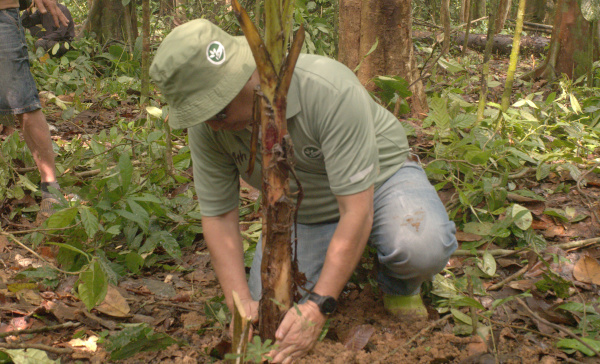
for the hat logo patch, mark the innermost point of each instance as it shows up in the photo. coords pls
(215, 52)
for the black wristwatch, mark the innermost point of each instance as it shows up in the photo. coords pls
(327, 304)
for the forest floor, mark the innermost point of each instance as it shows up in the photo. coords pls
(185, 304)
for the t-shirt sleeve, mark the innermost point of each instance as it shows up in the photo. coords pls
(216, 177)
(348, 141)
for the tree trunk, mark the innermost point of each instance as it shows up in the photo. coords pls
(477, 9)
(445, 15)
(145, 50)
(387, 22)
(569, 51)
(502, 43)
(501, 15)
(574, 57)
(108, 19)
(535, 11)
(277, 270)
(467, 12)
(485, 70)
(465, 8)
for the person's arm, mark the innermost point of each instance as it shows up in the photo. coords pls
(222, 235)
(295, 335)
(45, 6)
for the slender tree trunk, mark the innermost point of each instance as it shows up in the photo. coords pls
(486, 66)
(514, 57)
(145, 50)
(445, 14)
(464, 10)
(275, 71)
(478, 9)
(467, 11)
(501, 15)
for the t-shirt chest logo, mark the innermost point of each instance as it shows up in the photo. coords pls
(215, 52)
(312, 152)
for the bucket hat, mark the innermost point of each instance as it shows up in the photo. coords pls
(199, 69)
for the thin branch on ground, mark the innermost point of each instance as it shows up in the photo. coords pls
(498, 323)
(510, 278)
(37, 346)
(41, 231)
(556, 327)
(12, 237)
(66, 325)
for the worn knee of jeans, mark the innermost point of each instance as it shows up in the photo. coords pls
(406, 266)
(411, 231)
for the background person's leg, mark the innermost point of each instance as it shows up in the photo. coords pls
(411, 231)
(37, 136)
(313, 241)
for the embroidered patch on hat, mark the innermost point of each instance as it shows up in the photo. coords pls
(215, 52)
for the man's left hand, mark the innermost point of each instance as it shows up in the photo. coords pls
(50, 6)
(298, 332)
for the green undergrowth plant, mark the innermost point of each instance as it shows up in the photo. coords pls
(484, 163)
(87, 67)
(547, 139)
(256, 351)
(135, 338)
(119, 216)
(126, 210)
(319, 18)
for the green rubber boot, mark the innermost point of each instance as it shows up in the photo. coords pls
(405, 307)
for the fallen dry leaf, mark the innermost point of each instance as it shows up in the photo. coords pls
(587, 270)
(26, 262)
(522, 285)
(477, 346)
(88, 344)
(359, 337)
(3, 243)
(61, 311)
(29, 296)
(114, 304)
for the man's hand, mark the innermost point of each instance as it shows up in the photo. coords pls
(298, 332)
(50, 6)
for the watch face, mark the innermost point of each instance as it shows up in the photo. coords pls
(328, 306)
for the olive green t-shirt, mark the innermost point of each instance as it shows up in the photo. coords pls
(343, 142)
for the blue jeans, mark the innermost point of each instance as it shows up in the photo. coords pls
(18, 92)
(411, 231)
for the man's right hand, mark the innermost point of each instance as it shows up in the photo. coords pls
(50, 6)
